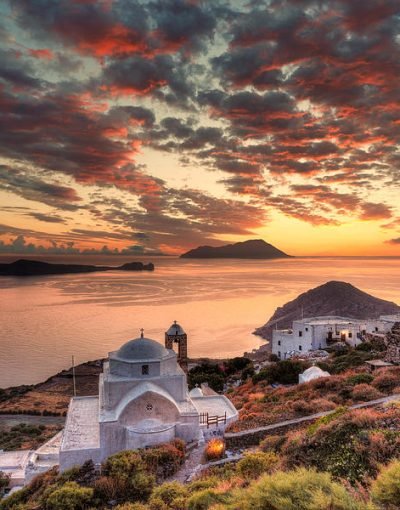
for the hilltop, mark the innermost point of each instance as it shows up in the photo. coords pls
(252, 249)
(331, 298)
(26, 267)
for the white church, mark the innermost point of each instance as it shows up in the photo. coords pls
(143, 400)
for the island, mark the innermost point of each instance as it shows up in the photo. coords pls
(332, 298)
(251, 249)
(26, 267)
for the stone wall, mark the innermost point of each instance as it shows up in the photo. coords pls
(253, 437)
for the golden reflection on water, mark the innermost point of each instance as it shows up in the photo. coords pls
(44, 320)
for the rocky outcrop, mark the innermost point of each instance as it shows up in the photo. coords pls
(24, 267)
(332, 298)
(253, 249)
(393, 344)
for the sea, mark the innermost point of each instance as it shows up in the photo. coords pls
(46, 320)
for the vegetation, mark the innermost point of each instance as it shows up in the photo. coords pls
(348, 460)
(218, 374)
(261, 404)
(386, 488)
(253, 465)
(127, 477)
(284, 372)
(68, 497)
(4, 481)
(25, 436)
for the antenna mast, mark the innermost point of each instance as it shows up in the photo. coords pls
(73, 374)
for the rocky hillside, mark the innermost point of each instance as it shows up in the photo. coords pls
(331, 298)
(252, 249)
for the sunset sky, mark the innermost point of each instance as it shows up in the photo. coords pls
(134, 126)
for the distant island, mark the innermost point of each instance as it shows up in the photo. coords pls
(252, 249)
(332, 298)
(25, 267)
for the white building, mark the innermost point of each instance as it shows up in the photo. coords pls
(143, 400)
(316, 333)
(379, 327)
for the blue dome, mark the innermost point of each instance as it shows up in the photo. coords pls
(142, 349)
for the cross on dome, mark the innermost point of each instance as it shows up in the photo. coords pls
(141, 332)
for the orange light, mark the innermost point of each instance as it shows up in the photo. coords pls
(215, 449)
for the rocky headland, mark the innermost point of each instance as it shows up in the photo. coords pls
(252, 249)
(331, 298)
(25, 267)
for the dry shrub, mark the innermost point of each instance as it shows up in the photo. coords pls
(387, 380)
(332, 383)
(318, 405)
(364, 418)
(272, 443)
(107, 488)
(365, 392)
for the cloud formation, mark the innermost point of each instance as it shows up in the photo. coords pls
(283, 107)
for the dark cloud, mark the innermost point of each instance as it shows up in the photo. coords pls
(264, 92)
(371, 211)
(31, 187)
(47, 218)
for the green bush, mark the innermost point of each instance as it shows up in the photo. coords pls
(385, 489)
(128, 469)
(236, 364)
(210, 373)
(205, 499)
(68, 497)
(301, 489)
(131, 506)
(4, 481)
(342, 362)
(169, 496)
(284, 372)
(253, 465)
(363, 378)
(365, 347)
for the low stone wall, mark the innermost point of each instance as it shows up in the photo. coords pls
(253, 437)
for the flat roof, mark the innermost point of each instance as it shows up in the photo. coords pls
(215, 405)
(329, 319)
(82, 429)
(390, 318)
(13, 460)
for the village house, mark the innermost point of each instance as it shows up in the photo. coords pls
(316, 333)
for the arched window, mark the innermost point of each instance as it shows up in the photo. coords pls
(145, 369)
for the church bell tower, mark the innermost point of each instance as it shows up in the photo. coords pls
(176, 335)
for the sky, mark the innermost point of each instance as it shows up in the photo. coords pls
(146, 127)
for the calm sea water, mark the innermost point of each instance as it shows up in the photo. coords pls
(46, 320)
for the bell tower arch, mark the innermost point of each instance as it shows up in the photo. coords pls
(176, 335)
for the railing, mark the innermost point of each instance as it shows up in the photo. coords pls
(206, 419)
